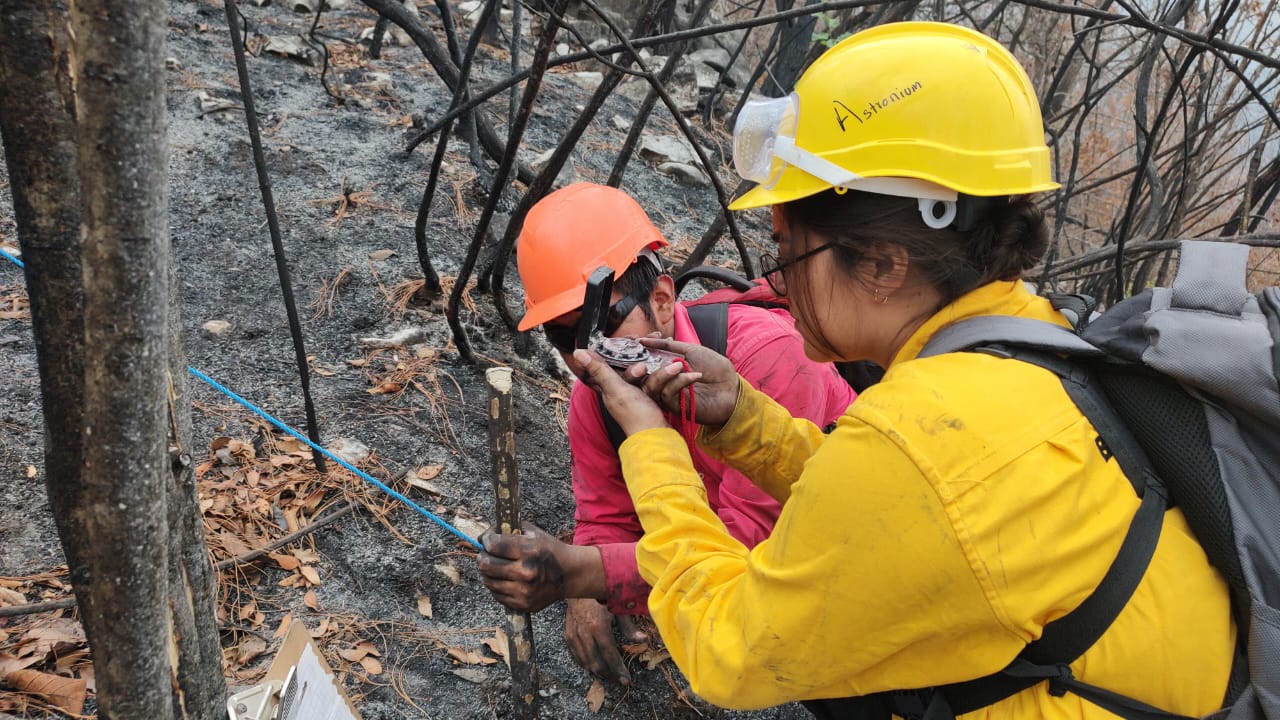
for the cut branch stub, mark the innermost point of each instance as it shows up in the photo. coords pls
(506, 494)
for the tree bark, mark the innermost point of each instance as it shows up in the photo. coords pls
(37, 126)
(91, 205)
(119, 79)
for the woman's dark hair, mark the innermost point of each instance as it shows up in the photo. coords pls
(1007, 240)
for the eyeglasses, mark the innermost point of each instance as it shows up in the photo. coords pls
(771, 268)
(564, 337)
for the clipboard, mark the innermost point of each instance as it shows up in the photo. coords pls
(297, 683)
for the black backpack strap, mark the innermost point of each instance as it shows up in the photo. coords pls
(987, 330)
(611, 426)
(711, 323)
(1067, 638)
(712, 272)
(1076, 308)
(860, 374)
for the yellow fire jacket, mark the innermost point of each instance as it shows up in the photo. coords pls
(958, 507)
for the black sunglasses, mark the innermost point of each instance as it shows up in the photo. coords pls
(771, 268)
(564, 337)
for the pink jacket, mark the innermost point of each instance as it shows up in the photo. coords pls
(768, 352)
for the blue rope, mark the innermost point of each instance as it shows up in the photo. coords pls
(12, 259)
(430, 516)
(359, 473)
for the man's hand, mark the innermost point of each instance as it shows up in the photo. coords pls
(530, 571)
(588, 630)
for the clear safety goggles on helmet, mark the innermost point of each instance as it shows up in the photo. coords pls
(764, 144)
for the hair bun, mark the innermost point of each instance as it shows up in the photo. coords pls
(1012, 240)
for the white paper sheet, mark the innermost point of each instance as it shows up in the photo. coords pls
(316, 696)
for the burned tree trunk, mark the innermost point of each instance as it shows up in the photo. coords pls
(120, 104)
(89, 182)
(37, 126)
(192, 578)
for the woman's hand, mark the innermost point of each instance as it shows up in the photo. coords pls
(633, 410)
(711, 375)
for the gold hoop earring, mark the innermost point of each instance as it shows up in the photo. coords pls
(881, 299)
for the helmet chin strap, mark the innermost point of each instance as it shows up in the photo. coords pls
(930, 196)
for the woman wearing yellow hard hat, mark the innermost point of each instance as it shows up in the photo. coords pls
(964, 509)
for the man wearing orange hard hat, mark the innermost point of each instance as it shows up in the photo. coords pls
(570, 240)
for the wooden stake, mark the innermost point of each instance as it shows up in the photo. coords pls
(506, 493)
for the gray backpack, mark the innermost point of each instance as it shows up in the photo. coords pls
(1183, 385)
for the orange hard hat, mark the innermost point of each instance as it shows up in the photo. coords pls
(570, 233)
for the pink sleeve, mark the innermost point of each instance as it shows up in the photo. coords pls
(604, 514)
(768, 352)
(766, 349)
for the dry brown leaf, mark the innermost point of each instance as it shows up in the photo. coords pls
(469, 526)
(424, 606)
(355, 654)
(471, 674)
(248, 610)
(65, 662)
(371, 665)
(11, 597)
(233, 544)
(310, 574)
(9, 663)
(324, 628)
(450, 572)
(252, 647)
(56, 635)
(595, 697)
(655, 657)
(311, 601)
(313, 500)
(429, 472)
(284, 627)
(470, 657)
(286, 562)
(386, 388)
(426, 485)
(283, 460)
(504, 642)
(306, 556)
(497, 644)
(90, 678)
(66, 694)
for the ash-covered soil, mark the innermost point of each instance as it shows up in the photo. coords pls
(346, 197)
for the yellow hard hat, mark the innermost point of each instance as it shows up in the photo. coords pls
(916, 109)
(570, 233)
